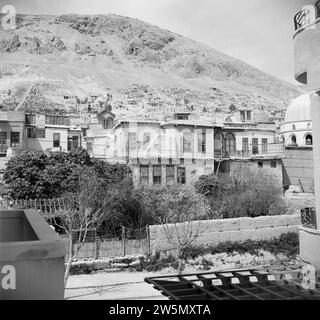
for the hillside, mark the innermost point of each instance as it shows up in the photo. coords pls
(47, 57)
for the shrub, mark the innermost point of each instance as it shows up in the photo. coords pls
(246, 194)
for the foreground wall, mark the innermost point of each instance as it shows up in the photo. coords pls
(239, 229)
(35, 255)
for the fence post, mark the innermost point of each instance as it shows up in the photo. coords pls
(123, 236)
(148, 239)
(96, 249)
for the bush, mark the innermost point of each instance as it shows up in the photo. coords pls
(246, 194)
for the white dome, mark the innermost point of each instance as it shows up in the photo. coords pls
(299, 109)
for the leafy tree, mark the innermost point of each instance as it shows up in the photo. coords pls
(37, 174)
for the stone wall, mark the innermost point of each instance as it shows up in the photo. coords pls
(217, 231)
(298, 168)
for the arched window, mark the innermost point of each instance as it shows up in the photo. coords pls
(230, 143)
(308, 140)
(293, 140)
(282, 138)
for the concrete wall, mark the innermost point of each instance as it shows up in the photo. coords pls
(251, 167)
(113, 248)
(15, 227)
(298, 165)
(217, 231)
(37, 255)
(47, 142)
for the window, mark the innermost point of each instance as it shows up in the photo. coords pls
(132, 140)
(181, 175)
(15, 139)
(146, 140)
(156, 144)
(245, 145)
(255, 146)
(293, 140)
(41, 133)
(249, 115)
(30, 119)
(31, 133)
(260, 164)
(156, 175)
(294, 127)
(309, 140)
(144, 175)
(170, 175)
(3, 142)
(273, 164)
(243, 116)
(202, 142)
(73, 143)
(57, 120)
(187, 142)
(230, 143)
(264, 145)
(108, 123)
(56, 140)
(89, 147)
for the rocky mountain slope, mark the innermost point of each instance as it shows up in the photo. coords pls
(79, 55)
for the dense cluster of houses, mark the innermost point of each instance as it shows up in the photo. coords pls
(164, 134)
(160, 152)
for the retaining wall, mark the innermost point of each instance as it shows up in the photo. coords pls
(239, 229)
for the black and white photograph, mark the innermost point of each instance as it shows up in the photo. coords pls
(159, 156)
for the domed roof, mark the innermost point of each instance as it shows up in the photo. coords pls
(299, 109)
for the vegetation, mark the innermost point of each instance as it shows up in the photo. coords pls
(244, 195)
(286, 244)
(83, 211)
(37, 174)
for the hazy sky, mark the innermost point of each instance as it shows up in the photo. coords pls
(258, 32)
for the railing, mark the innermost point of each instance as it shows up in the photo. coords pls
(300, 19)
(276, 149)
(308, 218)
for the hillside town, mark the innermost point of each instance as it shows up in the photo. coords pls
(208, 190)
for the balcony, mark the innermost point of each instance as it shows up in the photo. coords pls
(301, 19)
(307, 48)
(263, 150)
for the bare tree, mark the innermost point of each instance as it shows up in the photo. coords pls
(182, 215)
(83, 211)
